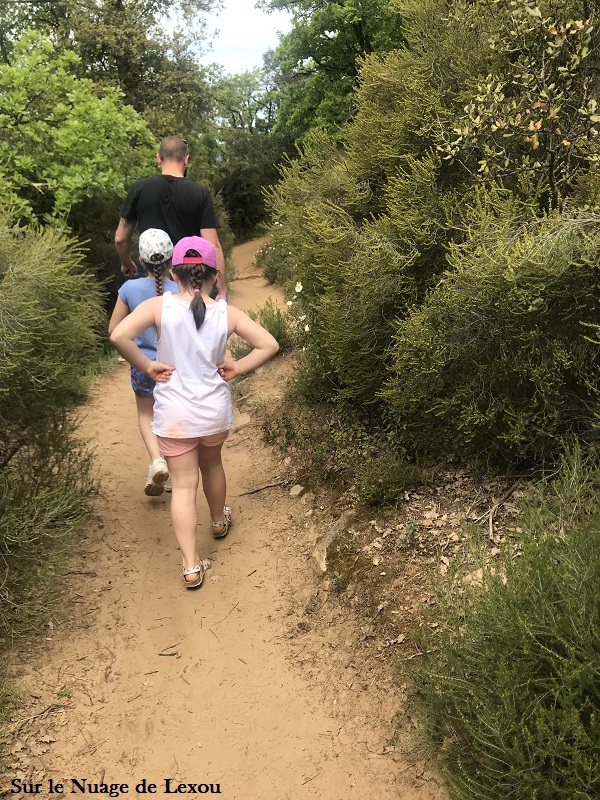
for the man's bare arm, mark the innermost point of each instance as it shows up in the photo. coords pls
(123, 236)
(213, 237)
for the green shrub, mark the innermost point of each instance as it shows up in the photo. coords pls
(383, 479)
(353, 452)
(238, 347)
(274, 320)
(50, 318)
(495, 363)
(510, 688)
(327, 440)
(358, 273)
(45, 495)
(274, 260)
(313, 380)
(365, 221)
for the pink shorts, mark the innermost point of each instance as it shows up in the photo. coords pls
(177, 447)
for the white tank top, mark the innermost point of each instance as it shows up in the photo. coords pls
(195, 400)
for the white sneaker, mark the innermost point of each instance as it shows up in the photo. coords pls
(158, 475)
(168, 485)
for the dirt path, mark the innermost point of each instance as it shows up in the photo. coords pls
(253, 682)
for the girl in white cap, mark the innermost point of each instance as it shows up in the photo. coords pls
(192, 398)
(155, 249)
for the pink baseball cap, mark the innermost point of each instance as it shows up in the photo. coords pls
(200, 245)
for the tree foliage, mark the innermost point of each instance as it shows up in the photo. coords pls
(319, 59)
(125, 44)
(64, 140)
(243, 101)
(247, 151)
(534, 116)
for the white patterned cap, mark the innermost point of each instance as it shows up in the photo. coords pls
(155, 246)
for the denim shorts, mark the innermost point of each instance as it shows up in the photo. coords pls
(142, 384)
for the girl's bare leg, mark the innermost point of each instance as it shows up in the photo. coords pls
(185, 479)
(214, 484)
(145, 411)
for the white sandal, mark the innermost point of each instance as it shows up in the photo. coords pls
(200, 569)
(220, 529)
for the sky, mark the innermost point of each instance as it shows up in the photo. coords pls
(245, 34)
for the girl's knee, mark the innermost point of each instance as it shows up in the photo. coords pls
(185, 480)
(209, 457)
(215, 467)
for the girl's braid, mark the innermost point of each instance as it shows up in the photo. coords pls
(158, 277)
(197, 276)
(198, 306)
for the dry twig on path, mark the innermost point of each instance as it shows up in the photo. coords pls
(492, 509)
(226, 615)
(262, 488)
(52, 707)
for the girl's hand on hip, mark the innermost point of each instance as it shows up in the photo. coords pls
(160, 372)
(227, 371)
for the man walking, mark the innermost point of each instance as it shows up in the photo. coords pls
(172, 203)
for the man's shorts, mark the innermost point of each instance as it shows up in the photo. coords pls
(142, 384)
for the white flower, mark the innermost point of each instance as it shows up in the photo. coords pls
(302, 318)
(299, 287)
(289, 302)
(307, 328)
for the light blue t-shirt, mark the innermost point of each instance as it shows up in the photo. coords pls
(135, 291)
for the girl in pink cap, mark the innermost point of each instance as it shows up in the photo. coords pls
(192, 398)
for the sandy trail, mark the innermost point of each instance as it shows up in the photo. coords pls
(227, 685)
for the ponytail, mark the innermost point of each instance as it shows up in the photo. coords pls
(198, 306)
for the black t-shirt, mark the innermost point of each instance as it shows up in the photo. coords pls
(175, 205)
